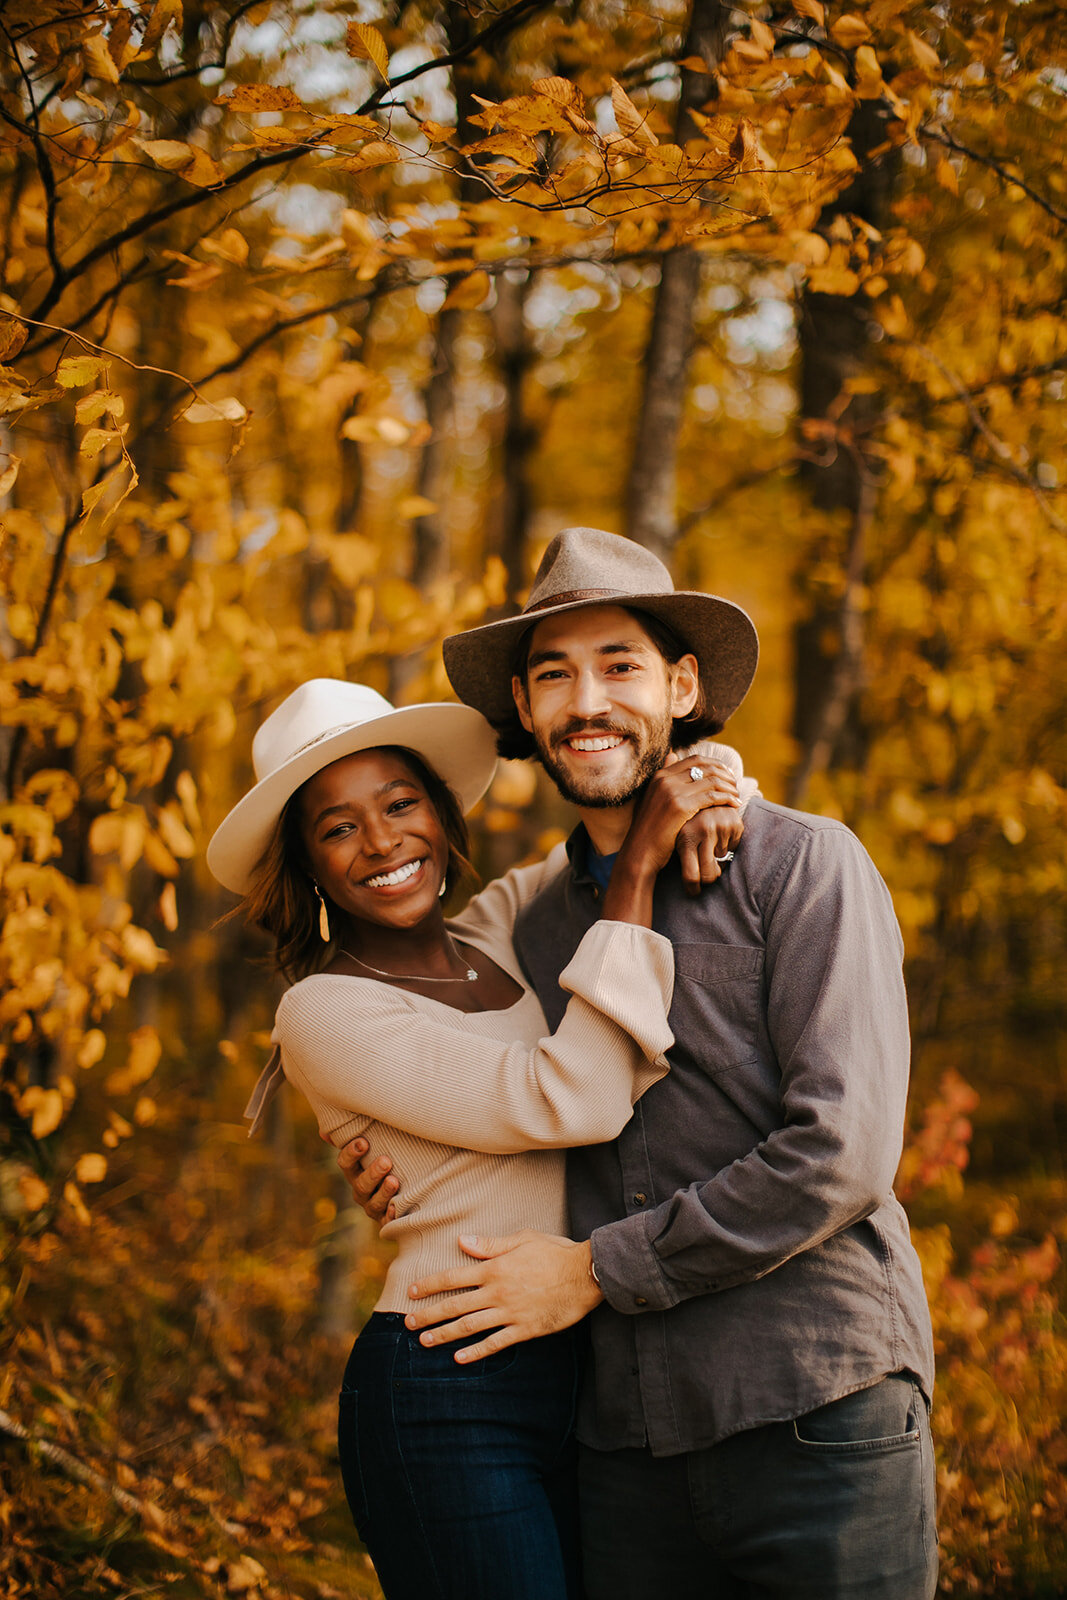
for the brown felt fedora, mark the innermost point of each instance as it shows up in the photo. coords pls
(588, 567)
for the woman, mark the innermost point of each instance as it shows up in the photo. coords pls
(420, 1036)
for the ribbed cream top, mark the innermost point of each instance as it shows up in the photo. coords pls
(476, 1110)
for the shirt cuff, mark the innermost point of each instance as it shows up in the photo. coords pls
(628, 1268)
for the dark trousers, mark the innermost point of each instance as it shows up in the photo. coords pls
(462, 1480)
(838, 1505)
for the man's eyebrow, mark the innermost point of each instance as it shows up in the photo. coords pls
(621, 647)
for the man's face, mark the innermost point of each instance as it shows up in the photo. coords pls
(600, 700)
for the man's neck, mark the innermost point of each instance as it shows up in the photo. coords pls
(607, 826)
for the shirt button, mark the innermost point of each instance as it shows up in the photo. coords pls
(639, 1199)
(639, 1300)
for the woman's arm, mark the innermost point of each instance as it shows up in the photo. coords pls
(363, 1051)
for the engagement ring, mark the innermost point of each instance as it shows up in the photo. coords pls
(696, 773)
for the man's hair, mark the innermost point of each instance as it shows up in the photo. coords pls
(282, 901)
(515, 744)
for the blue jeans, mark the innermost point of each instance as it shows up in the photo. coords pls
(838, 1505)
(462, 1480)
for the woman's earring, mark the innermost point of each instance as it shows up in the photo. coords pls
(443, 890)
(324, 921)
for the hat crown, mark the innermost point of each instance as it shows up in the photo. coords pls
(587, 563)
(314, 711)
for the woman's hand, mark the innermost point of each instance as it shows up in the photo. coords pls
(678, 792)
(374, 1189)
(705, 842)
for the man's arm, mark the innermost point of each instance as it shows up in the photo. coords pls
(837, 1017)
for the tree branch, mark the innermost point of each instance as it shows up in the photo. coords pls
(939, 136)
(80, 1472)
(44, 166)
(505, 23)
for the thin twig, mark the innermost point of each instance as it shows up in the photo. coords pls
(79, 1471)
(939, 136)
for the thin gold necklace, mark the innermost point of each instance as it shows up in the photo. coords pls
(469, 976)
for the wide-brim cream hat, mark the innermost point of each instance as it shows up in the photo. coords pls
(324, 720)
(589, 567)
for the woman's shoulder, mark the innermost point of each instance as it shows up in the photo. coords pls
(327, 995)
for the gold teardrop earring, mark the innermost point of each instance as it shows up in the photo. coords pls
(324, 921)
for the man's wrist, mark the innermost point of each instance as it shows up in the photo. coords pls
(592, 1282)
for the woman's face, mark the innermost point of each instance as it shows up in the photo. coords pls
(374, 842)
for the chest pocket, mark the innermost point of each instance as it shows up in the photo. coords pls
(715, 1013)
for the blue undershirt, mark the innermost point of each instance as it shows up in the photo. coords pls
(599, 868)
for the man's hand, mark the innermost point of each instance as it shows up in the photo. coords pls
(374, 1189)
(523, 1286)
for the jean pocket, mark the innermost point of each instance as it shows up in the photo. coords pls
(438, 1364)
(349, 1457)
(883, 1417)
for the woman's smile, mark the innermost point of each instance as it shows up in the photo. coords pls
(375, 844)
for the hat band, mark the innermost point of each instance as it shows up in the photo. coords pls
(571, 597)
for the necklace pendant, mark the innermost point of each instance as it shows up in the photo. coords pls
(471, 975)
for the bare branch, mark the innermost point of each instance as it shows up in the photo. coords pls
(78, 1470)
(938, 136)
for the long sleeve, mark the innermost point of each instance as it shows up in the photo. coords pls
(364, 1051)
(837, 1020)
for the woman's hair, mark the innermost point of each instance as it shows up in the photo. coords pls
(282, 900)
(515, 744)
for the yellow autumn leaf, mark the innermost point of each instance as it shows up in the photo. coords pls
(923, 54)
(91, 1048)
(375, 430)
(98, 59)
(33, 1190)
(168, 908)
(810, 8)
(171, 154)
(74, 372)
(100, 403)
(416, 505)
(174, 833)
(10, 473)
(43, 1107)
(367, 44)
(375, 154)
(633, 123)
(145, 1111)
(164, 13)
(261, 97)
(228, 410)
(72, 1195)
(94, 440)
(91, 1168)
(230, 245)
(849, 30)
(141, 1063)
(468, 293)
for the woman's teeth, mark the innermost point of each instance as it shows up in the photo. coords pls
(388, 880)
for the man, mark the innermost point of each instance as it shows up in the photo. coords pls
(756, 1419)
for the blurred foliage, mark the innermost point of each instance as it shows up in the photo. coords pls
(240, 246)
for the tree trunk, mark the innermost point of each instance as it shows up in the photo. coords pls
(835, 343)
(651, 511)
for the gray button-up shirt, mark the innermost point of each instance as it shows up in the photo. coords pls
(754, 1259)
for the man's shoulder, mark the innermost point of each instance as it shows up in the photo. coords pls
(781, 845)
(782, 826)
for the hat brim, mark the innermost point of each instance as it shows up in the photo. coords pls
(456, 741)
(720, 634)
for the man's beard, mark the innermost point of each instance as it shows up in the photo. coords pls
(649, 742)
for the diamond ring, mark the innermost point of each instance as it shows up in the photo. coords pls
(696, 773)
